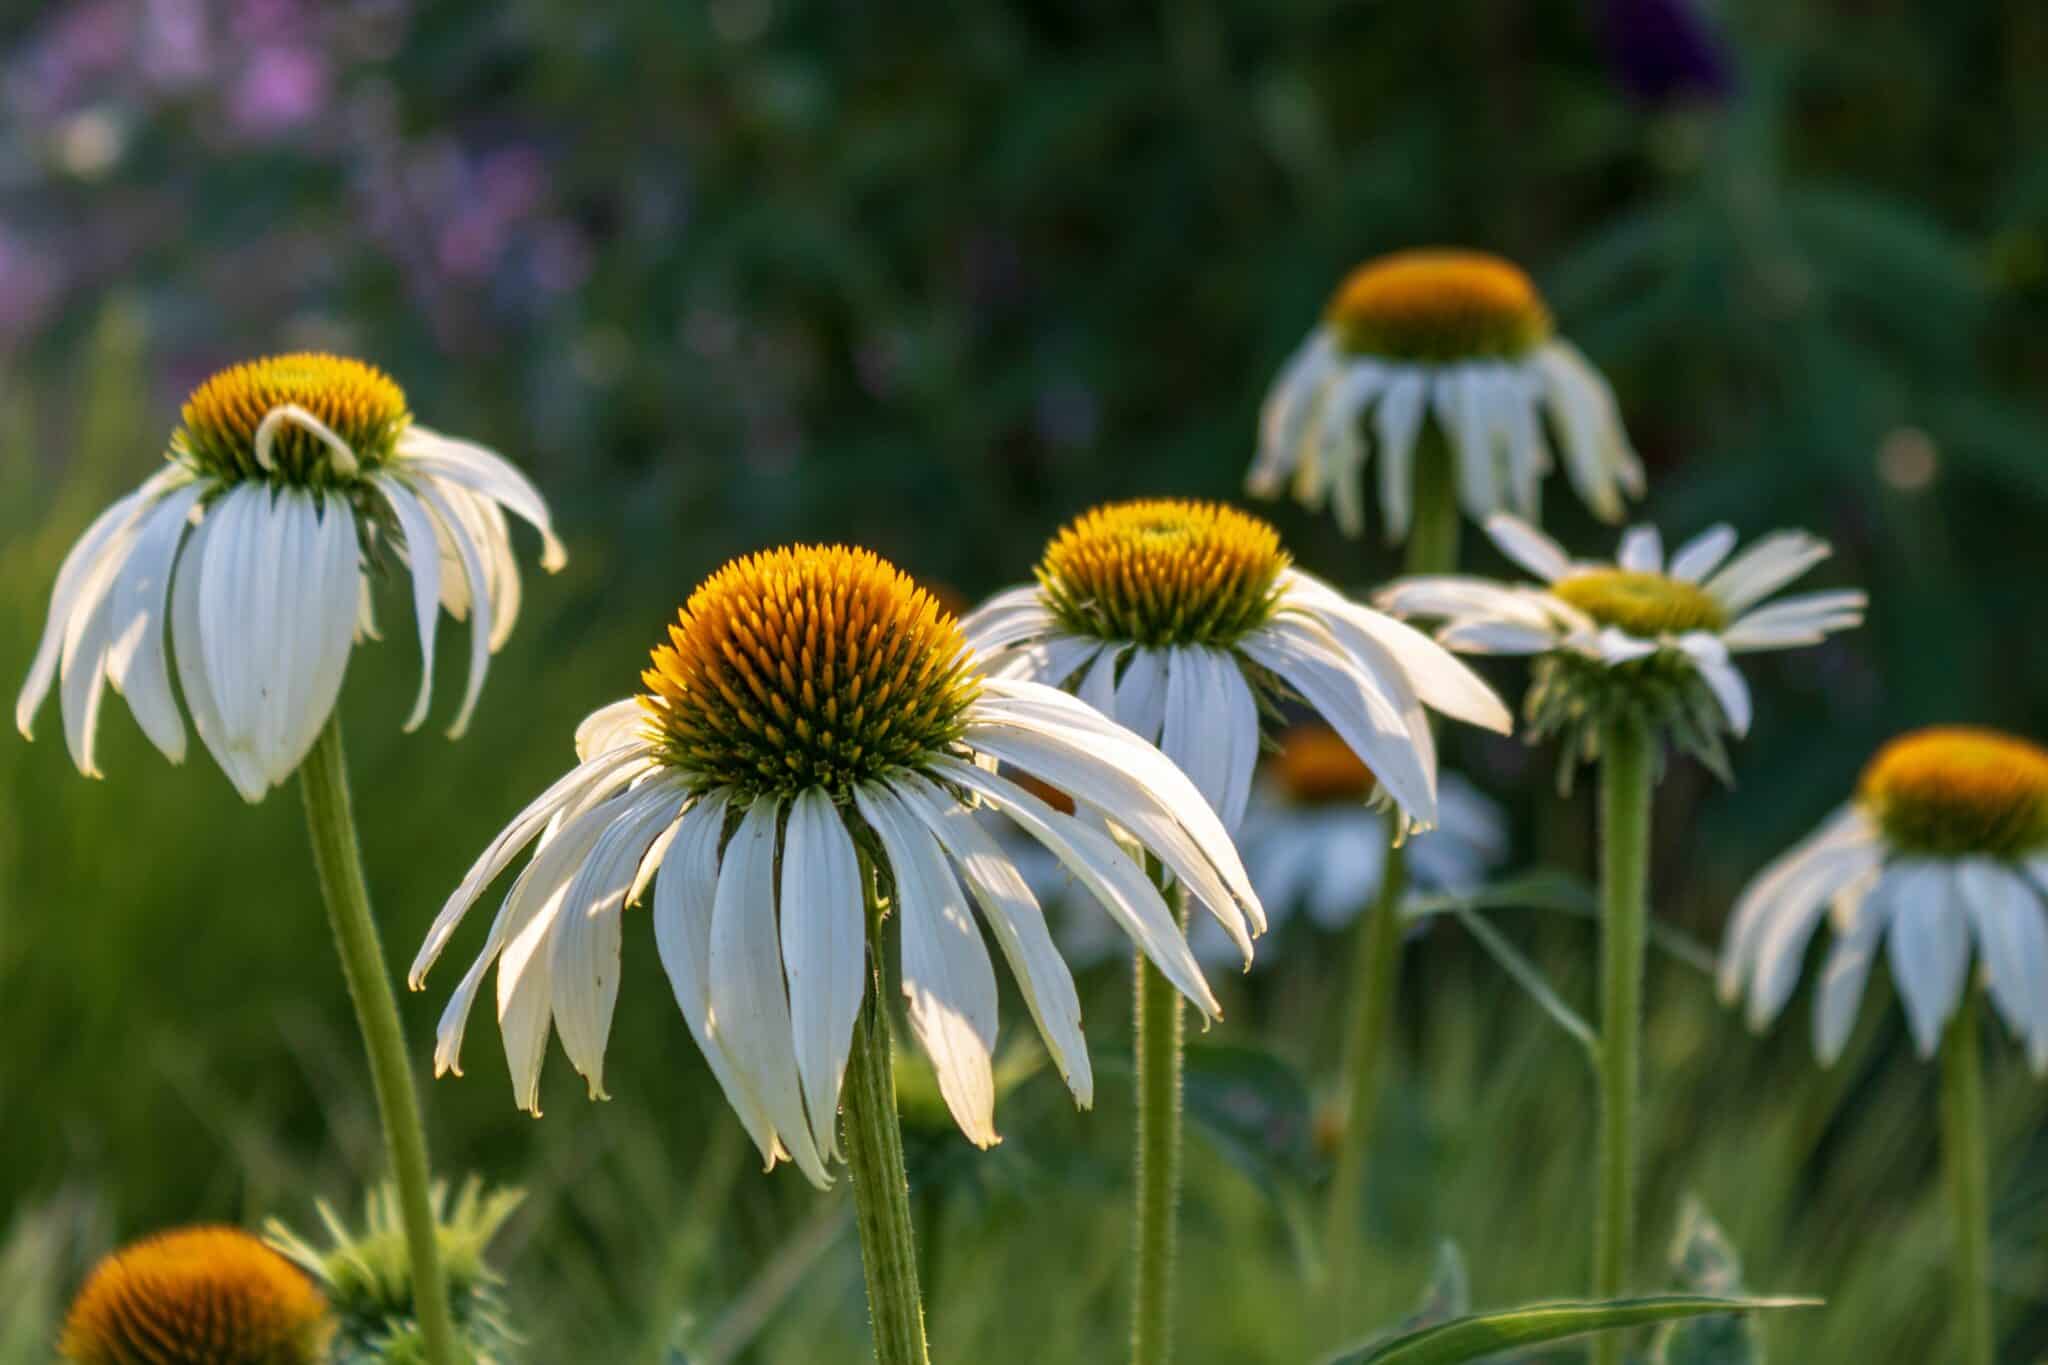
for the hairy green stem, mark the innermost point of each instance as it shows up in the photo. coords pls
(1156, 1011)
(338, 859)
(1375, 983)
(1626, 763)
(881, 1189)
(1964, 1154)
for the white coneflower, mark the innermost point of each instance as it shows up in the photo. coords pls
(1172, 617)
(1630, 655)
(290, 479)
(815, 713)
(1449, 345)
(1941, 857)
(1639, 632)
(1183, 621)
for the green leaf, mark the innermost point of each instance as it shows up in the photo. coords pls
(1704, 1261)
(1483, 1334)
(1530, 978)
(1548, 889)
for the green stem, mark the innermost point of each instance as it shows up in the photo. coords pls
(338, 859)
(1369, 1004)
(1370, 1022)
(881, 1189)
(1626, 761)
(1964, 1153)
(1157, 1014)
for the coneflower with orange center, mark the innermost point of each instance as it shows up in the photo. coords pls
(196, 1296)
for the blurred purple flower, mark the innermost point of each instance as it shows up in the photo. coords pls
(281, 88)
(29, 284)
(174, 49)
(1666, 51)
(562, 259)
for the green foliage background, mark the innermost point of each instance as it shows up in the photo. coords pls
(932, 278)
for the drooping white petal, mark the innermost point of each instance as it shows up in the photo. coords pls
(824, 952)
(1840, 987)
(1375, 710)
(1595, 449)
(1440, 679)
(1344, 450)
(1141, 694)
(480, 601)
(590, 780)
(1804, 871)
(1013, 916)
(1765, 567)
(1397, 422)
(584, 970)
(685, 890)
(137, 664)
(1514, 412)
(486, 472)
(193, 680)
(611, 726)
(1702, 554)
(1054, 660)
(1528, 547)
(1283, 416)
(81, 564)
(424, 553)
(1929, 943)
(947, 978)
(1211, 732)
(1118, 884)
(2012, 941)
(1457, 399)
(749, 999)
(1011, 616)
(1723, 679)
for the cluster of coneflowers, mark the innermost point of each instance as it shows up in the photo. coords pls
(820, 747)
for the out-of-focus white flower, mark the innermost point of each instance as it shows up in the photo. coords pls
(247, 557)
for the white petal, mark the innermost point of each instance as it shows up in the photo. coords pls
(947, 977)
(609, 727)
(1285, 411)
(1013, 615)
(423, 551)
(1098, 684)
(587, 783)
(1377, 715)
(1528, 547)
(1930, 945)
(1141, 694)
(824, 952)
(1205, 727)
(2012, 942)
(1840, 988)
(1344, 450)
(584, 967)
(486, 472)
(1054, 660)
(189, 651)
(1642, 550)
(1397, 422)
(1702, 554)
(1710, 658)
(1764, 568)
(684, 893)
(1013, 916)
(136, 661)
(1596, 453)
(1802, 620)
(480, 598)
(1457, 400)
(1117, 883)
(749, 999)
(1847, 835)
(1440, 680)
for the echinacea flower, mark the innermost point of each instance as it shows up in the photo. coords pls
(815, 722)
(1941, 857)
(1174, 617)
(1641, 632)
(290, 480)
(1458, 341)
(1314, 845)
(213, 1294)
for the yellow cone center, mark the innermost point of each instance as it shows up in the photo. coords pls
(1439, 305)
(1643, 604)
(224, 416)
(1163, 571)
(1957, 791)
(211, 1294)
(1316, 767)
(810, 666)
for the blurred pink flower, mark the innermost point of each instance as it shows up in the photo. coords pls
(281, 88)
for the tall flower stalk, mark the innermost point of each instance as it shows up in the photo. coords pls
(246, 562)
(337, 857)
(1963, 1146)
(1157, 1030)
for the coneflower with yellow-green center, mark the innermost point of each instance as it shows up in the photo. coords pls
(816, 749)
(1940, 857)
(1449, 354)
(196, 1296)
(289, 483)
